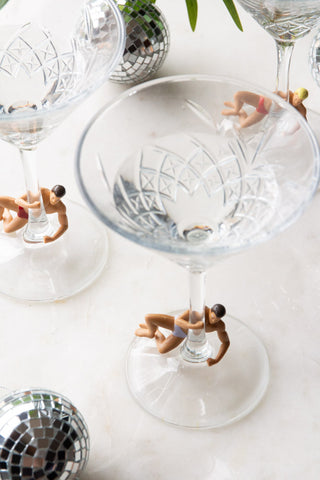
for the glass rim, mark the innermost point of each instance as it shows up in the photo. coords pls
(73, 101)
(187, 249)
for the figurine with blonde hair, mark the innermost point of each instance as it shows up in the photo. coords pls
(262, 105)
(296, 98)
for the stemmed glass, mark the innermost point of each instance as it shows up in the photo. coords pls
(286, 21)
(52, 55)
(189, 183)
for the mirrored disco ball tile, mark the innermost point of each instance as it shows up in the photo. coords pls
(42, 436)
(147, 41)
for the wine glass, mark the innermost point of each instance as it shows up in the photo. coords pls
(52, 55)
(286, 21)
(192, 185)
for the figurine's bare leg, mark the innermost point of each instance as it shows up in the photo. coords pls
(238, 104)
(152, 322)
(166, 344)
(11, 224)
(231, 109)
(234, 106)
(7, 219)
(242, 117)
(248, 120)
(248, 98)
(9, 203)
(159, 337)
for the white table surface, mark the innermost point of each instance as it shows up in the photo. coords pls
(78, 346)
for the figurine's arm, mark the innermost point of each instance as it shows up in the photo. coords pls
(22, 202)
(63, 220)
(225, 343)
(183, 323)
(302, 109)
(282, 94)
(184, 315)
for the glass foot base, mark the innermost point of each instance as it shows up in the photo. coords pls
(49, 272)
(196, 395)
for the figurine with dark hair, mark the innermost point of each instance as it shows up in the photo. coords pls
(52, 204)
(180, 325)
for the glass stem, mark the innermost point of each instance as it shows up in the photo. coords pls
(284, 54)
(196, 348)
(38, 225)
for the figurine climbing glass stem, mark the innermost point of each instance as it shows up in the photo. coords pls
(52, 57)
(192, 184)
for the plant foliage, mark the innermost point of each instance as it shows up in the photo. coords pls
(192, 7)
(2, 3)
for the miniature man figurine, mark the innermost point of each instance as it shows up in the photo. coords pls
(262, 105)
(180, 326)
(52, 204)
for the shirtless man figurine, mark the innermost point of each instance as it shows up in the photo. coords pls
(52, 204)
(262, 105)
(180, 326)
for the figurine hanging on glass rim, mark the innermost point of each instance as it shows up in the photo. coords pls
(180, 325)
(51, 202)
(262, 105)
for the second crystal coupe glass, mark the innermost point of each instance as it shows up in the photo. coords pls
(191, 184)
(52, 55)
(286, 21)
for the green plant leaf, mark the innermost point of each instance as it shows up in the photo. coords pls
(192, 6)
(233, 12)
(3, 2)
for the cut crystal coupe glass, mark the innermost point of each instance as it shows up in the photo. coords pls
(192, 185)
(286, 21)
(52, 55)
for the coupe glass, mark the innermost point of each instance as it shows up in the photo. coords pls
(189, 183)
(52, 55)
(286, 21)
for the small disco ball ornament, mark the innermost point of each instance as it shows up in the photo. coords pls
(42, 436)
(147, 42)
(314, 58)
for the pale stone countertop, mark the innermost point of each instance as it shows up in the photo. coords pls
(78, 346)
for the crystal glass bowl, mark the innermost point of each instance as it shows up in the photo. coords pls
(165, 166)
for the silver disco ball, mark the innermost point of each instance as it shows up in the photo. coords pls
(42, 436)
(147, 42)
